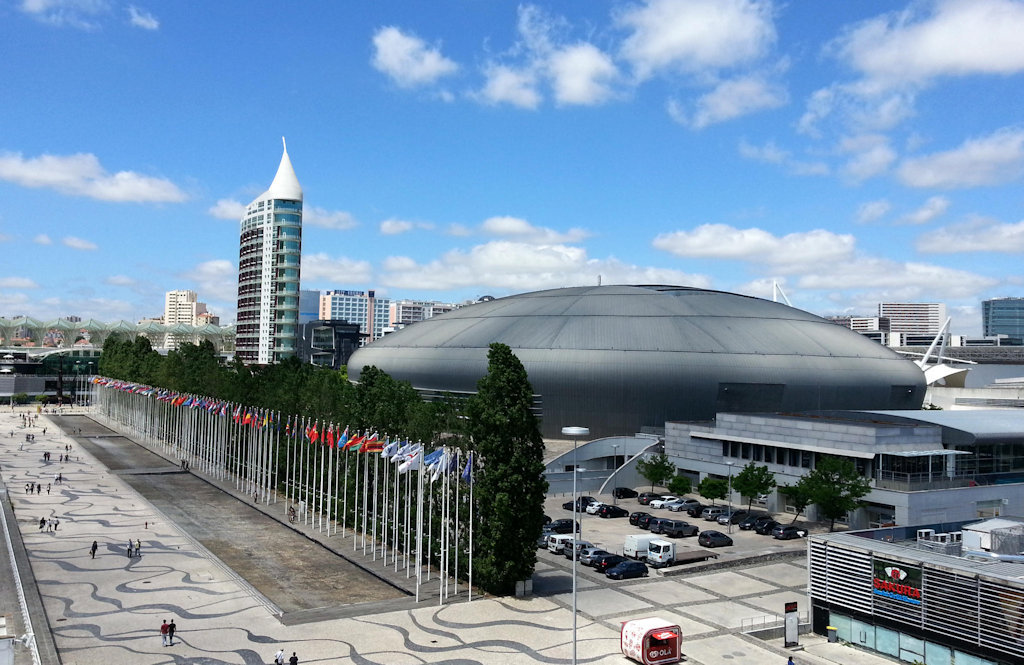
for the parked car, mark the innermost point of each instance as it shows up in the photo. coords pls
(766, 527)
(657, 524)
(606, 561)
(587, 555)
(542, 540)
(634, 518)
(645, 498)
(547, 520)
(557, 542)
(660, 503)
(713, 539)
(750, 521)
(679, 528)
(573, 548)
(624, 493)
(582, 501)
(711, 513)
(735, 517)
(694, 510)
(682, 505)
(612, 511)
(564, 526)
(645, 521)
(788, 532)
(626, 570)
(594, 507)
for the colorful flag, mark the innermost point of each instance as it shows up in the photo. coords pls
(373, 445)
(467, 473)
(353, 443)
(343, 438)
(237, 415)
(314, 435)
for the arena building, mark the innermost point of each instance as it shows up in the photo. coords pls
(621, 359)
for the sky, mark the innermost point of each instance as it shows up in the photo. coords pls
(851, 152)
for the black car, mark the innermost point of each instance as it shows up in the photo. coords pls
(563, 526)
(645, 521)
(547, 519)
(612, 511)
(695, 510)
(634, 518)
(788, 532)
(679, 528)
(645, 498)
(582, 502)
(606, 561)
(765, 528)
(626, 570)
(750, 521)
(713, 539)
(623, 493)
(657, 524)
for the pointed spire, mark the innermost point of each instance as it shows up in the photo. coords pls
(286, 184)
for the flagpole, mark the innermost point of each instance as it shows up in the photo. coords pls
(469, 467)
(419, 526)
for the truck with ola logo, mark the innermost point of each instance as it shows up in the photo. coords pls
(651, 641)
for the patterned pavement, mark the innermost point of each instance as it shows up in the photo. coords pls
(108, 610)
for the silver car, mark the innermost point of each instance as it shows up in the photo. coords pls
(587, 554)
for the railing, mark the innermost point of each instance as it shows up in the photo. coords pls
(769, 621)
(911, 482)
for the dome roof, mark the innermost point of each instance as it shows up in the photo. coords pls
(286, 184)
(618, 358)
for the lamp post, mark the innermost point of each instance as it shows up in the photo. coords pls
(729, 495)
(615, 465)
(575, 433)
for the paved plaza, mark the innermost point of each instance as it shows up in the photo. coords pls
(240, 582)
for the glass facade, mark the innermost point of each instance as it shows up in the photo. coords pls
(1003, 316)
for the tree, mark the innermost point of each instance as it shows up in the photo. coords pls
(753, 481)
(799, 495)
(713, 488)
(836, 487)
(657, 469)
(680, 485)
(510, 486)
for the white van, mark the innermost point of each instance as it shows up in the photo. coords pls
(557, 541)
(636, 545)
(661, 553)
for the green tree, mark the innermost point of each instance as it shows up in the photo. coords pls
(713, 488)
(510, 486)
(680, 485)
(753, 481)
(657, 469)
(836, 487)
(799, 496)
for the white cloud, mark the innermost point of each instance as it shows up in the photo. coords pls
(408, 60)
(142, 19)
(907, 281)
(514, 266)
(786, 254)
(522, 231)
(735, 98)
(82, 175)
(42, 239)
(459, 230)
(872, 211)
(769, 153)
(322, 269)
(695, 36)
(582, 74)
(78, 243)
(17, 283)
(227, 209)
(976, 235)
(73, 13)
(217, 280)
(391, 227)
(934, 207)
(989, 160)
(872, 156)
(506, 85)
(120, 280)
(328, 219)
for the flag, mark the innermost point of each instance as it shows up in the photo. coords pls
(364, 445)
(390, 449)
(353, 443)
(467, 473)
(247, 418)
(373, 445)
(343, 438)
(314, 434)
(237, 415)
(330, 435)
(288, 427)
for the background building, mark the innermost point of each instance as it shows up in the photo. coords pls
(1003, 316)
(269, 260)
(404, 312)
(309, 305)
(916, 318)
(372, 314)
(328, 343)
(182, 307)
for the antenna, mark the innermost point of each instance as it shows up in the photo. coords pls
(776, 291)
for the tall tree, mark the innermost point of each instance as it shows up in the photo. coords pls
(713, 488)
(799, 496)
(657, 469)
(680, 485)
(510, 486)
(836, 487)
(753, 481)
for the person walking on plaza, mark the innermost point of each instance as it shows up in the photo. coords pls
(790, 661)
(294, 660)
(42, 523)
(170, 632)
(128, 552)
(47, 488)
(163, 632)
(138, 547)
(279, 657)
(92, 550)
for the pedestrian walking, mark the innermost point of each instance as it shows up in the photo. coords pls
(47, 488)
(279, 657)
(92, 550)
(42, 523)
(128, 552)
(163, 632)
(39, 488)
(56, 523)
(790, 661)
(170, 632)
(294, 660)
(138, 547)
(49, 526)
(60, 477)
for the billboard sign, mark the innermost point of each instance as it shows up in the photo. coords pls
(897, 581)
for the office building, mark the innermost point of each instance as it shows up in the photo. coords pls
(1003, 316)
(916, 318)
(269, 260)
(404, 312)
(309, 305)
(328, 343)
(182, 307)
(364, 308)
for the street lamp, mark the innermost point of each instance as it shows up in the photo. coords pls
(615, 466)
(729, 495)
(575, 433)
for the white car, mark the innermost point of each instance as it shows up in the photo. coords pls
(678, 504)
(660, 503)
(594, 507)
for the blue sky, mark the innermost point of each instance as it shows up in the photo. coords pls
(853, 152)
